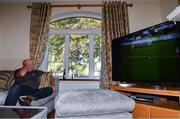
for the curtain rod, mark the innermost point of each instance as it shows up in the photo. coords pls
(78, 5)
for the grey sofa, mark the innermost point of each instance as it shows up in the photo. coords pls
(6, 80)
(93, 103)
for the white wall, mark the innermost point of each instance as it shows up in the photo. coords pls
(14, 37)
(1, 30)
(0, 42)
(166, 7)
(15, 23)
(57, 12)
(144, 14)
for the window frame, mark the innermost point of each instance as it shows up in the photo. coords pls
(67, 32)
(69, 14)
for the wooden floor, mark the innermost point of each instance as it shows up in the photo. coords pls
(51, 115)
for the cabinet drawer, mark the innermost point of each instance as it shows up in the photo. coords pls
(141, 111)
(164, 113)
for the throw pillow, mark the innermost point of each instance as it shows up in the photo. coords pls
(45, 79)
(6, 79)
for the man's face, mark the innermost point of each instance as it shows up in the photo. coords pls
(28, 63)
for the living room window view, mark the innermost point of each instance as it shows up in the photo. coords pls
(75, 48)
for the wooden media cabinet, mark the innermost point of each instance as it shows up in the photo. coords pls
(168, 107)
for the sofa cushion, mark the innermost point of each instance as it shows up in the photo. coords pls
(6, 78)
(3, 95)
(83, 102)
(45, 79)
(123, 115)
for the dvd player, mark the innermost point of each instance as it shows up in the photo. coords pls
(146, 98)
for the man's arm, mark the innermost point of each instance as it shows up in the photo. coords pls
(53, 84)
(26, 67)
(22, 72)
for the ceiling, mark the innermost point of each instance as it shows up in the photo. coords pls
(60, 1)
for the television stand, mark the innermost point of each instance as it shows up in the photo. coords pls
(167, 107)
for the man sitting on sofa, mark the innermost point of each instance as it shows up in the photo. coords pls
(26, 86)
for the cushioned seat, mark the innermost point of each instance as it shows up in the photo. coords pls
(93, 103)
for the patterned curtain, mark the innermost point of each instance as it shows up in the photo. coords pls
(115, 23)
(39, 28)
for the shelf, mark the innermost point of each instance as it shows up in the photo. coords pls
(161, 110)
(174, 15)
(167, 107)
(166, 92)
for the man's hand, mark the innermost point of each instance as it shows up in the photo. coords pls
(27, 67)
(54, 88)
(53, 84)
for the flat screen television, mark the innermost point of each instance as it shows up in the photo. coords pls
(150, 56)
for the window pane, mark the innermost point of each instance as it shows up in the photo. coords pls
(77, 23)
(56, 54)
(97, 55)
(79, 56)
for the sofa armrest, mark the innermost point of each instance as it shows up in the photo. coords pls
(43, 101)
(46, 99)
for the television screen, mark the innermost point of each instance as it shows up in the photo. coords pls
(148, 55)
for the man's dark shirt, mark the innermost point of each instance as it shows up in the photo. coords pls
(30, 79)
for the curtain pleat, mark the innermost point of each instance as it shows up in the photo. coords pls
(39, 28)
(115, 23)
